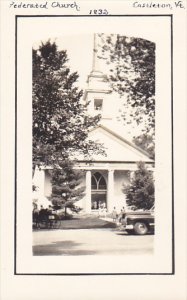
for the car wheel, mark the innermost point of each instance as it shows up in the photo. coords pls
(140, 228)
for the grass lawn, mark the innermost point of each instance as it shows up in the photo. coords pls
(85, 222)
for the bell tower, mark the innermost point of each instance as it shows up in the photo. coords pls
(98, 92)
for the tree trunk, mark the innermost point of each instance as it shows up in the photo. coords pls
(65, 211)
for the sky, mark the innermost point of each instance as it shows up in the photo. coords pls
(76, 35)
(80, 53)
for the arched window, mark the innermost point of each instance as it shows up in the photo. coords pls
(98, 182)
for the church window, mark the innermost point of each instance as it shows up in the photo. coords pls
(98, 182)
(98, 104)
(94, 183)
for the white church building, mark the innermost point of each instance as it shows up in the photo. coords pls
(106, 175)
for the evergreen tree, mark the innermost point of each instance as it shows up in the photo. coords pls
(140, 191)
(66, 189)
(60, 121)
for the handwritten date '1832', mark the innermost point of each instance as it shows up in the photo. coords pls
(98, 12)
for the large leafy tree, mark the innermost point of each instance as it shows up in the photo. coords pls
(131, 64)
(145, 141)
(60, 123)
(140, 192)
(60, 120)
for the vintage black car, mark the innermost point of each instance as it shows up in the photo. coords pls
(138, 222)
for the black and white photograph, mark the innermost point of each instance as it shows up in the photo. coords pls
(93, 165)
(93, 146)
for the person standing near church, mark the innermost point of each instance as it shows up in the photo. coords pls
(114, 214)
(123, 212)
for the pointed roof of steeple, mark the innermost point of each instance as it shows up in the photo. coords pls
(96, 72)
(95, 63)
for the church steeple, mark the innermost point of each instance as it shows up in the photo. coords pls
(96, 75)
(95, 62)
(98, 93)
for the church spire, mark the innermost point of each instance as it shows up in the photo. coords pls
(95, 63)
(96, 73)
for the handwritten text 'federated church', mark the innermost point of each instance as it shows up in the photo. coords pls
(45, 5)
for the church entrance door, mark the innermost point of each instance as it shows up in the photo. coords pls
(98, 192)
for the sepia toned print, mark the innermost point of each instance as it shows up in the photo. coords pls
(93, 148)
(93, 186)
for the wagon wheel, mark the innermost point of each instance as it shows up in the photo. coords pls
(56, 223)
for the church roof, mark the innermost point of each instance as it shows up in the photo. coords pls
(119, 132)
(117, 147)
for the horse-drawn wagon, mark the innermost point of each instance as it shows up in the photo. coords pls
(45, 218)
